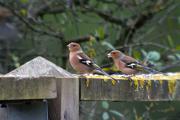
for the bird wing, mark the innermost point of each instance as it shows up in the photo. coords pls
(84, 59)
(140, 67)
(134, 65)
(128, 59)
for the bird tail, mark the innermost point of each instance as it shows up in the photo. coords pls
(146, 69)
(150, 70)
(101, 72)
(140, 67)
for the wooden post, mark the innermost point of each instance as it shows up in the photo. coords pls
(70, 99)
(25, 88)
(66, 105)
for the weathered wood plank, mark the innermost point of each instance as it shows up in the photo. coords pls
(70, 99)
(66, 105)
(54, 105)
(23, 88)
(128, 88)
(4, 113)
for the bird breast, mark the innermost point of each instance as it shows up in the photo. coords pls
(79, 67)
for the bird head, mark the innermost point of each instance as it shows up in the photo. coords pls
(115, 54)
(73, 47)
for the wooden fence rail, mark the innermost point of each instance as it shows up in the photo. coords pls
(59, 91)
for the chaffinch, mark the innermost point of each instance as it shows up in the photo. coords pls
(127, 64)
(81, 62)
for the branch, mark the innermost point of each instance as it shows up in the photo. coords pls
(30, 26)
(173, 65)
(106, 16)
(86, 38)
(134, 25)
(81, 39)
(51, 11)
(143, 44)
(114, 2)
(136, 22)
(46, 9)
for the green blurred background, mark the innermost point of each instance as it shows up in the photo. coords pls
(145, 29)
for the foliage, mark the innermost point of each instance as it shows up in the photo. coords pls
(132, 110)
(45, 27)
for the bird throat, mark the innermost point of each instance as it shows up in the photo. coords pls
(79, 51)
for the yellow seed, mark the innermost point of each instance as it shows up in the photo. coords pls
(141, 83)
(161, 82)
(171, 86)
(136, 84)
(113, 82)
(105, 80)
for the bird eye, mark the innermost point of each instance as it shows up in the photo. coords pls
(74, 45)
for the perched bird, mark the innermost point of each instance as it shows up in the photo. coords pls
(81, 62)
(127, 64)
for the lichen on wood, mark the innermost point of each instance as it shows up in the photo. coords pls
(162, 76)
(130, 87)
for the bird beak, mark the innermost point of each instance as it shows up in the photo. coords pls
(109, 55)
(68, 45)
